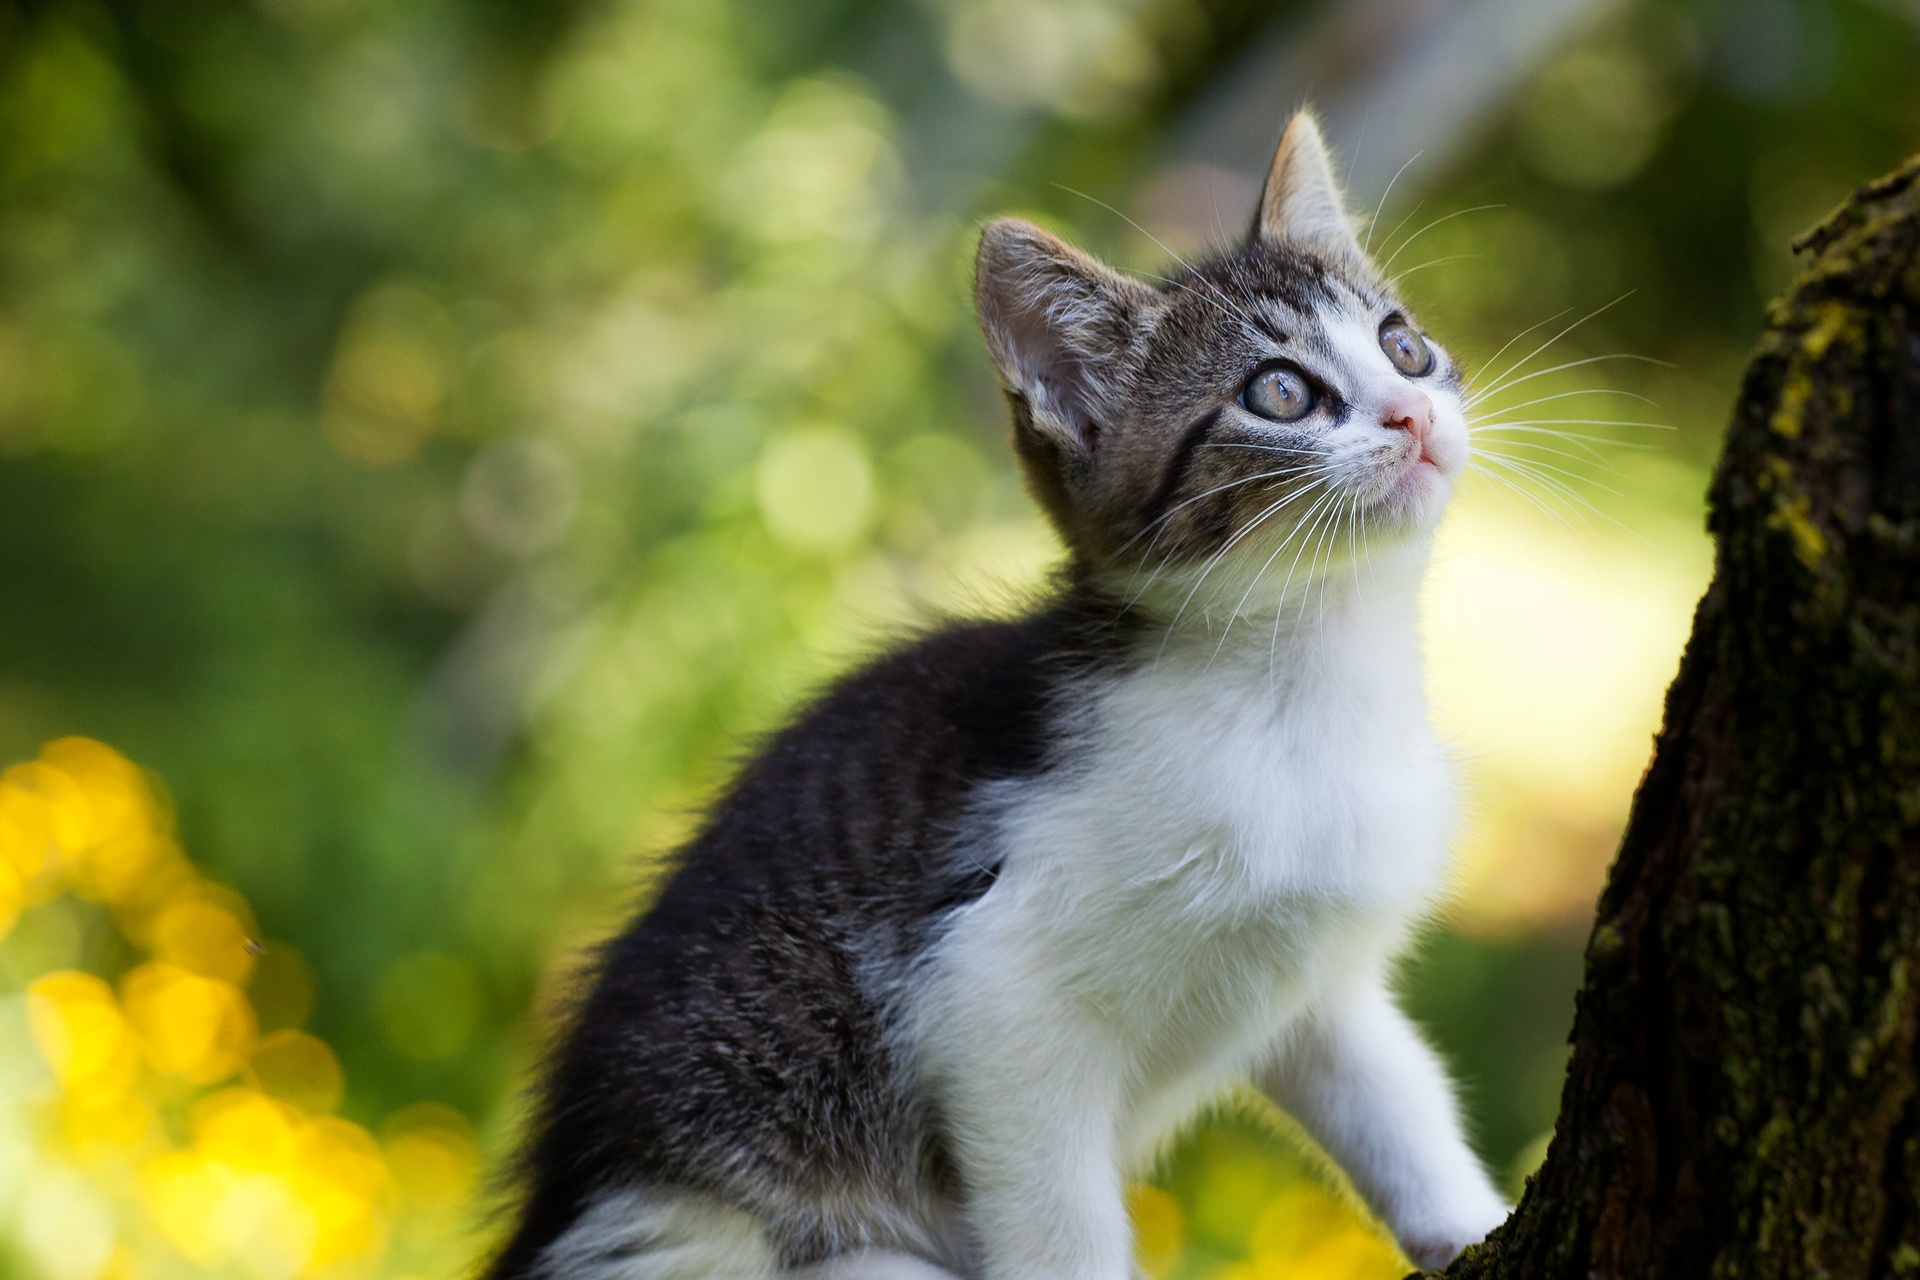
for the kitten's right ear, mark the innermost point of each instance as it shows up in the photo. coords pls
(1058, 324)
(1301, 202)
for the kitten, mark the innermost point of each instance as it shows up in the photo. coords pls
(986, 924)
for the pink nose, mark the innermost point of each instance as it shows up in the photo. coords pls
(1410, 410)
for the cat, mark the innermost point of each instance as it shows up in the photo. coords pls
(996, 915)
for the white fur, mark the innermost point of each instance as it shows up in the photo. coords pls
(1213, 891)
(634, 1235)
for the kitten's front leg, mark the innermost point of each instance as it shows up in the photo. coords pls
(1356, 1074)
(1029, 1090)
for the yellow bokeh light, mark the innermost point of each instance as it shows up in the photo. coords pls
(204, 937)
(198, 1028)
(119, 834)
(1307, 1231)
(342, 1179)
(434, 1156)
(245, 1129)
(42, 820)
(266, 1181)
(1549, 653)
(1159, 1228)
(100, 1124)
(81, 1034)
(298, 1069)
(13, 894)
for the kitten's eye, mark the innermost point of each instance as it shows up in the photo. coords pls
(1280, 393)
(1408, 350)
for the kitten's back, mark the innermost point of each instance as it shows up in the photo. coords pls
(735, 1039)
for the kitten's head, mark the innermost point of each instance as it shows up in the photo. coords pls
(1257, 417)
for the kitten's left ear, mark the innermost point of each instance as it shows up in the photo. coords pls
(1059, 325)
(1301, 203)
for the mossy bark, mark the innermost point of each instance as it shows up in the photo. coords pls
(1742, 1095)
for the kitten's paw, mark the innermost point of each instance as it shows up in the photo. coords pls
(1431, 1254)
(1432, 1247)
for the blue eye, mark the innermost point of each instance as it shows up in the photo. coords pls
(1279, 393)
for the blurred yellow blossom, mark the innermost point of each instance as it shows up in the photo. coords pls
(433, 1154)
(200, 1029)
(205, 938)
(1159, 1228)
(79, 1030)
(297, 1068)
(120, 834)
(178, 1127)
(42, 820)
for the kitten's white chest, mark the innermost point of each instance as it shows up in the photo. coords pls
(1224, 784)
(1225, 846)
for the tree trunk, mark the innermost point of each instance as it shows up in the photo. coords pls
(1742, 1095)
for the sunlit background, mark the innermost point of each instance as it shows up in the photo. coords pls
(435, 435)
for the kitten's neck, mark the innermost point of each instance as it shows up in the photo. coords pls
(1254, 614)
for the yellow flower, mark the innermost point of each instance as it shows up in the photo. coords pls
(1159, 1228)
(1306, 1231)
(434, 1156)
(198, 1028)
(267, 1182)
(13, 893)
(178, 1189)
(43, 821)
(203, 936)
(80, 1033)
(114, 817)
(341, 1179)
(299, 1069)
(103, 1127)
(244, 1129)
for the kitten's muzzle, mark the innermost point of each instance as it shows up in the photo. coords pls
(1410, 411)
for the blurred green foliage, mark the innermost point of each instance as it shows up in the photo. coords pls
(436, 436)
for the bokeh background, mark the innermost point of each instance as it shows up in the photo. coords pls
(437, 435)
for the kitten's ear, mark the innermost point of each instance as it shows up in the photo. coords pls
(1058, 324)
(1301, 202)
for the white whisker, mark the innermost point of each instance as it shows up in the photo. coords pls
(1481, 396)
(1459, 213)
(1521, 363)
(1367, 247)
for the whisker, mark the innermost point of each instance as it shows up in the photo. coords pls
(1458, 213)
(1538, 324)
(1226, 303)
(1548, 466)
(1418, 205)
(1578, 439)
(1247, 444)
(1434, 262)
(1502, 432)
(1481, 423)
(1508, 483)
(1262, 572)
(1239, 535)
(1479, 397)
(1280, 609)
(1584, 391)
(1367, 247)
(1538, 473)
(1200, 497)
(1588, 455)
(1519, 364)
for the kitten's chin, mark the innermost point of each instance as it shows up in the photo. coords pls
(1417, 499)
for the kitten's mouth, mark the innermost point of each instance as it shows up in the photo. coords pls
(1421, 477)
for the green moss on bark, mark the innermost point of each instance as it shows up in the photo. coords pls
(1741, 1100)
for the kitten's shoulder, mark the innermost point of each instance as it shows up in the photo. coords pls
(979, 698)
